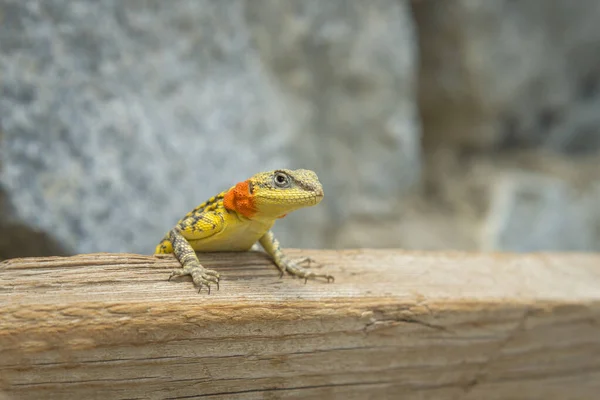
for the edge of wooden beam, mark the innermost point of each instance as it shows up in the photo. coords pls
(394, 322)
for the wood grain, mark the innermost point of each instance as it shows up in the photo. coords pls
(394, 324)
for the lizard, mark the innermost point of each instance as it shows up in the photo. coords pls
(239, 218)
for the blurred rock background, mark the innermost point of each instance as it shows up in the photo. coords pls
(433, 124)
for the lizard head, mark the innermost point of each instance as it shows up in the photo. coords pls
(274, 194)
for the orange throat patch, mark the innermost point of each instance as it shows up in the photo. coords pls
(240, 199)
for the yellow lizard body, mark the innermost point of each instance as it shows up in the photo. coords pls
(238, 218)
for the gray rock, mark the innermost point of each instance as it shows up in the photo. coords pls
(347, 71)
(532, 212)
(502, 80)
(118, 117)
(510, 74)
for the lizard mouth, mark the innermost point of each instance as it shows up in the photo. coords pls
(318, 197)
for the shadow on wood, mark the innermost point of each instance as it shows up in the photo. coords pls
(393, 325)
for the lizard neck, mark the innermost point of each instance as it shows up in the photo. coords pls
(241, 200)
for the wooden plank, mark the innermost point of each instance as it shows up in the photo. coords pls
(394, 324)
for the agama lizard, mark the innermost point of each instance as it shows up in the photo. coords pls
(234, 220)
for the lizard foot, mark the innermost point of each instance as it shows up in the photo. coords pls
(200, 275)
(305, 261)
(294, 268)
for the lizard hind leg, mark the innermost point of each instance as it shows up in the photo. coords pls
(190, 263)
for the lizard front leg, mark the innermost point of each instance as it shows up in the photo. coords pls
(191, 265)
(273, 249)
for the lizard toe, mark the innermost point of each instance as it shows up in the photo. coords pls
(327, 277)
(308, 261)
(294, 269)
(177, 272)
(202, 278)
(212, 273)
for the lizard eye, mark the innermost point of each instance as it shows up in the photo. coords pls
(281, 180)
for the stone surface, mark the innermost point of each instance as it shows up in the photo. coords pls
(516, 203)
(347, 71)
(510, 74)
(509, 100)
(530, 212)
(110, 131)
(118, 117)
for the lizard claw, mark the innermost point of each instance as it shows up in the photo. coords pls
(200, 275)
(293, 268)
(329, 278)
(200, 288)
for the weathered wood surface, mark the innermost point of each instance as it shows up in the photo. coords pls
(395, 324)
